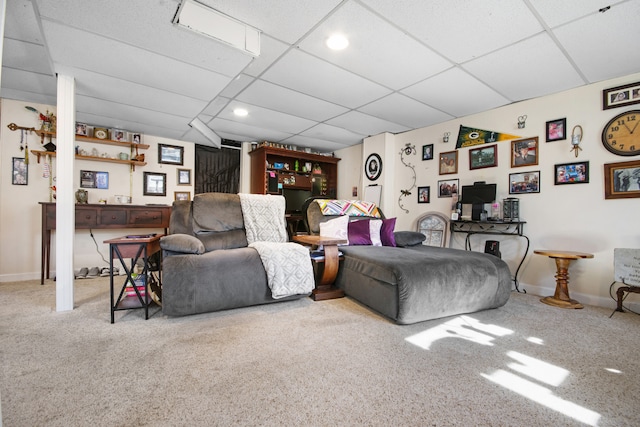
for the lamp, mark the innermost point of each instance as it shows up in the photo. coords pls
(207, 21)
(206, 131)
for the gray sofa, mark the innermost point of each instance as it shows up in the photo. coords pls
(412, 282)
(206, 264)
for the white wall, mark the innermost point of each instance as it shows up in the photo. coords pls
(564, 217)
(21, 214)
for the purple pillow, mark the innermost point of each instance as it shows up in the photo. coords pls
(386, 232)
(359, 232)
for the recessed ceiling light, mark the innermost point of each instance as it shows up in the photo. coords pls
(241, 112)
(337, 42)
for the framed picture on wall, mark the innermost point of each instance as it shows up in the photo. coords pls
(182, 195)
(424, 194)
(427, 152)
(154, 184)
(184, 176)
(524, 182)
(20, 171)
(449, 162)
(483, 157)
(556, 130)
(622, 180)
(170, 154)
(524, 152)
(448, 187)
(571, 173)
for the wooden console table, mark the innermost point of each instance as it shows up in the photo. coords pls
(324, 286)
(508, 228)
(96, 216)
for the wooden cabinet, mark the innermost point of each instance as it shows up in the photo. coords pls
(274, 168)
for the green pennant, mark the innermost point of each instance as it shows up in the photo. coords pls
(468, 137)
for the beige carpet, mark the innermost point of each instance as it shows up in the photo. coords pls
(331, 363)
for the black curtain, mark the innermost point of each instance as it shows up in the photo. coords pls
(217, 170)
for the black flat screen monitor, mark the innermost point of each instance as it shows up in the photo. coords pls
(294, 198)
(477, 195)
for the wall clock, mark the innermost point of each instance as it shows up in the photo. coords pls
(621, 135)
(373, 167)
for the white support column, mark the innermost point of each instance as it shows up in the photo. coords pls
(65, 201)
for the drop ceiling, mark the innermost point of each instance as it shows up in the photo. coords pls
(409, 63)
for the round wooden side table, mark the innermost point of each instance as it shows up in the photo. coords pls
(563, 258)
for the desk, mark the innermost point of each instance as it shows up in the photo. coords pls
(561, 296)
(508, 228)
(324, 287)
(95, 216)
(134, 249)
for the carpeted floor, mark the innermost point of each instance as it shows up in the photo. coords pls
(330, 363)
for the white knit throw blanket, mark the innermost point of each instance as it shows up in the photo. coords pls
(288, 265)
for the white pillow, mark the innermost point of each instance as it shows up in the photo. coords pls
(374, 231)
(337, 228)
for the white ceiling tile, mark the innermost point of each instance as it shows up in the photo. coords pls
(365, 124)
(531, 68)
(130, 63)
(269, 95)
(333, 134)
(253, 133)
(398, 108)
(307, 74)
(373, 48)
(555, 12)
(265, 118)
(460, 29)
(600, 55)
(148, 26)
(450, 92)
(287, 20)
(25, 56)
(236, 85)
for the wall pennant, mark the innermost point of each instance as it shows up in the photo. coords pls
(468, 137)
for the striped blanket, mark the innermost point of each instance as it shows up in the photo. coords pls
(348, 207)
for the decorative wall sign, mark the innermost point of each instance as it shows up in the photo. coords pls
(373, 167)
(468, 137)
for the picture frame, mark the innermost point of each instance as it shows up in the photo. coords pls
(448, 187)
(622, 180)
(524, 152)
(556, 130)
(184, 177)
(621, 96)
(82, 129)
(424, 194)
(427, 152)
(137, 138)
(154, 184)
(93, 179)
(181, 195)
(170, 154)
(571, 173)
(483, 157)
(19, 171)
(449, 162)
(524, 182)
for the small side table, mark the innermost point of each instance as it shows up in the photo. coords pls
(135, 248)
(563, 258)
(324, 286)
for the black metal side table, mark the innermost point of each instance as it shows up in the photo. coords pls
(139, 247)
